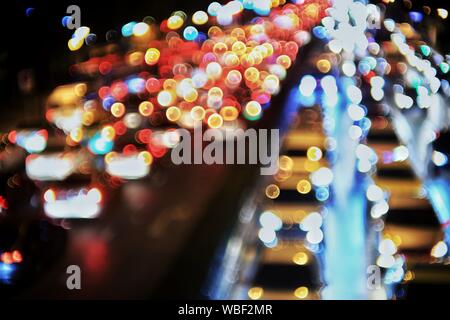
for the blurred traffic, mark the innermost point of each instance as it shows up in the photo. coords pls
(360, 94)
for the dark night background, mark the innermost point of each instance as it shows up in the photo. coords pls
(38, 43)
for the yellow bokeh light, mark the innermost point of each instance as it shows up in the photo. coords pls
(200, 17)
(300, 258)
(152, 56)
(397, 240)
(323, 65)
(146, 108)
(443, 13)
(229, 113)
(146, 157)
(239, 48)
(247, 60)
(80, 89)
(301, 292)
(220, 48)
(303, 186)
(314, 153)
(135, 58)
(272, 191)
(109, 157)
(251, 74)
(255, 293)
(215, 121)
(284, 61)
(108, 133)
(87, 118)
(173, 113)
(118, 109)
(409, 275)
(253, 108)
(75, 44)
(190, 95)
(215, 92)
(175, 22)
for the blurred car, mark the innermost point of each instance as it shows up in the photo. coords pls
(129, 166)
(58, 166)
(78, 202)
(32, 140)
(64, 106)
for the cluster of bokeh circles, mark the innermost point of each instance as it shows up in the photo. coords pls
(229, 71)
(218, 68)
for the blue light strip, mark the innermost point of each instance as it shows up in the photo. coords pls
(345, 222)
